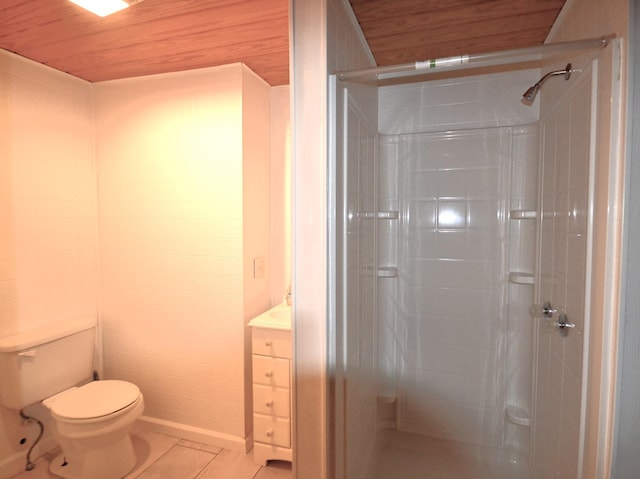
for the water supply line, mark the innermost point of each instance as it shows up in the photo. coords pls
(28, 420)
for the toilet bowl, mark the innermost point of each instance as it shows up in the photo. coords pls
(92, 424)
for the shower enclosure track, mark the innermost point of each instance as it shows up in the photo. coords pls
(465, 62)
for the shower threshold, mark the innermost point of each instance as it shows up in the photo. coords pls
(411, 456)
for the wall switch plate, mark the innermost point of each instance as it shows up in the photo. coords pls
(259, 267)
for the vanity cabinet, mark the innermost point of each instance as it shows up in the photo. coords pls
(271, 361)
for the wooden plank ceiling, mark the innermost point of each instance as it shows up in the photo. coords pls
(159, 36)
(414, 30)
(155, 36)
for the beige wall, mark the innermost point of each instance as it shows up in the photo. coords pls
(280, 193)
(581, 19)
(183, 206)
(256, 217)
(184, 179)
(48, 260)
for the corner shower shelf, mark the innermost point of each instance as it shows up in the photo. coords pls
(523, 214)
(387, 272)
(387, 215)
(517, 277)
(517, 415)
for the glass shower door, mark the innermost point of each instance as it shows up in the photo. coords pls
(562, 315)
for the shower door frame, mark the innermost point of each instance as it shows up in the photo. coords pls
(602, 297)
(596, 459)
(547, 284)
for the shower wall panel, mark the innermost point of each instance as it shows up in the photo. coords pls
(565, 274)
(451, 288)
(447, 149)
(480, 101)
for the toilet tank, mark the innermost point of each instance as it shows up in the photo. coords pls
(41, 362)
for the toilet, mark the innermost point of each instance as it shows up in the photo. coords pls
(91, 419)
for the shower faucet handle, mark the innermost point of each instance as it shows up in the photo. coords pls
(564, 325)
(542, 310)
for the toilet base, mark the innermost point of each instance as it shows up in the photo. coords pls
(111, 462)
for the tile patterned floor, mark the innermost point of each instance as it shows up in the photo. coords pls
(166, 457)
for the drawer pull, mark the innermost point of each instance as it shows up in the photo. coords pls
(269, 374)
(269, 433)
(268, 343)
(269, 403)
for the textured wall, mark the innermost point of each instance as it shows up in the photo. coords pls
(48, 259)
(173, 252)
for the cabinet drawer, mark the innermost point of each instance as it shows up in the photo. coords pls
(271, 401)
(270, 430)
(271, 371)
(271, 342)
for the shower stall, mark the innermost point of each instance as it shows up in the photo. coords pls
(463, 240)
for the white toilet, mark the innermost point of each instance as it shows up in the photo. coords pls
(92, 419)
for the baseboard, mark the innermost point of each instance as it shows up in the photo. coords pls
(15, 464)
(196, 434)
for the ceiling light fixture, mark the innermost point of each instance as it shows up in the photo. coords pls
(103, 8)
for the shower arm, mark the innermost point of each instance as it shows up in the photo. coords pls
(531, 93)
(566, 72)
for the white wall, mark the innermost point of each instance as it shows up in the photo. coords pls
(48, 260)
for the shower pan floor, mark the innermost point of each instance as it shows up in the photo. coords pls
(412, 456)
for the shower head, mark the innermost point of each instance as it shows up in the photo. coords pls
(530, 95)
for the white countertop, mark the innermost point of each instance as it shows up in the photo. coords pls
(278, 317)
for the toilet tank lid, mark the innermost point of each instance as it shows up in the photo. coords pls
(44, 334)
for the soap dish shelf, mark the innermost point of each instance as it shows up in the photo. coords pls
(518, 416)
(387, 272)
(523, 214)
(380, 215)
(517, 277)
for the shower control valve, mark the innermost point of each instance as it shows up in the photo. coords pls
(564, 325)
(542, 311)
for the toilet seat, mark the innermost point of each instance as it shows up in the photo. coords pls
(94, 401)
